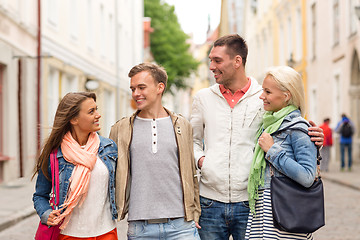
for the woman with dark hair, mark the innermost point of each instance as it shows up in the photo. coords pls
(87, 186)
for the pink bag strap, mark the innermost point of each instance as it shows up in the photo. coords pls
(55, 177)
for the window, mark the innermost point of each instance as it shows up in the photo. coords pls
(53, 95)
(52, 12)
(337, 99)
(281, 47)
(336, 23)
(68, 84)
(102, 31)
(73, 20)
(313, 30)
(313, 104)
(299, 35)
(90, 26)
(289, 39)
(111, 39)
(1, 109)
(352, 17)
(109, 112)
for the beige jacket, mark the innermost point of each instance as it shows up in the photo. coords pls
(121, 133)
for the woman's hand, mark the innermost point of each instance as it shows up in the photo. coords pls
(52, 220)
(265, 141)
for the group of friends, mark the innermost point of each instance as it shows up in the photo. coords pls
(207, 178)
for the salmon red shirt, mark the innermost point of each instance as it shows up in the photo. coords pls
(232, 99)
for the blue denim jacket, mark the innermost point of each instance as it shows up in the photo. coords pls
(107, 153)
(293, 153)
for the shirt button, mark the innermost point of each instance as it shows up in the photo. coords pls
(153, 126)
(154, 142)
(232, 100)
(154, 134)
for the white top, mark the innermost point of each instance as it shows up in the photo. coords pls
(226, 137)
(93, 217)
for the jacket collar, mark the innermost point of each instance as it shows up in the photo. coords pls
(294, 118)
(174, 117)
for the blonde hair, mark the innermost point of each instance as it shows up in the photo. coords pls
(287, 79)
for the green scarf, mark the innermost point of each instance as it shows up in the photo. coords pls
(271, 123)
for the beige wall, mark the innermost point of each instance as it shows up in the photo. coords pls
(329, 72)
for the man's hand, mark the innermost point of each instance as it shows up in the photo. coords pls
(316, 134)
(197, 225)
(200, 162)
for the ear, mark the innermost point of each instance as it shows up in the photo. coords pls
(74, 121)
(287, 96)
(161, 88)
(238, 61)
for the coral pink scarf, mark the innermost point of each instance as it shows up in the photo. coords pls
(84, 160)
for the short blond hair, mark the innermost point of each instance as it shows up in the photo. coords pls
(287, 79)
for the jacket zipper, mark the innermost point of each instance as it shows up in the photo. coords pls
(231, 129)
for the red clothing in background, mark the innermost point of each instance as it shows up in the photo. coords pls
(327, 134)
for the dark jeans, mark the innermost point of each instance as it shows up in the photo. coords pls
(220, 220)
(342, 150)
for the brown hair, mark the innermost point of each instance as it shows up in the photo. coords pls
(68, 108)
(235, 45)
(158, 73)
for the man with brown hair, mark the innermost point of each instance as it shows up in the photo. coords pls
(156, 181)
(225, 119)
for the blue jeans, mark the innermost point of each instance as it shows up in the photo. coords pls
(172, 230)
(342, 150)
(220, 220)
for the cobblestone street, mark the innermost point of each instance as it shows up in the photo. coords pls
(342, 218)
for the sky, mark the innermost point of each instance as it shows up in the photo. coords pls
(193, 16)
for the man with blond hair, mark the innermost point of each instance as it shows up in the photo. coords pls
(156, 181)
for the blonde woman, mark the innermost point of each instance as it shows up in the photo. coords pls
(290, 153)
(86, 172)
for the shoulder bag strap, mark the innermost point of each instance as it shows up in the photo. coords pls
(55, 177)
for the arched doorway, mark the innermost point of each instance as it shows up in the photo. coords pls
(355, 103)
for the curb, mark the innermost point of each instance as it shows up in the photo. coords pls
(339, 182)
(17, 217)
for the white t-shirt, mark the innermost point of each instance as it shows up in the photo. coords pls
(93, 217)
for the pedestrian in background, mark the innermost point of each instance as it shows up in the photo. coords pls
(289, 152)
(156, 180)
(328, 141)
(86, 173)
(346, 130)
(225, 119)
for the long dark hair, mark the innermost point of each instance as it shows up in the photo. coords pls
(68, 108)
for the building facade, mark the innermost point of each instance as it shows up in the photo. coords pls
(333, 64)
(319, 39)
(53, 47)
(18, 44)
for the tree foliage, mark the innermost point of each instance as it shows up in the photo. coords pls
(168, 43)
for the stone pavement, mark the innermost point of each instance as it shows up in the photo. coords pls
(16, 196)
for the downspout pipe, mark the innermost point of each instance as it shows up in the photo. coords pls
(38, 75)
(20, 118)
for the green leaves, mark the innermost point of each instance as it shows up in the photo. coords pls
(168, 43)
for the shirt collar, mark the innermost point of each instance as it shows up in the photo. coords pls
(244, 89)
